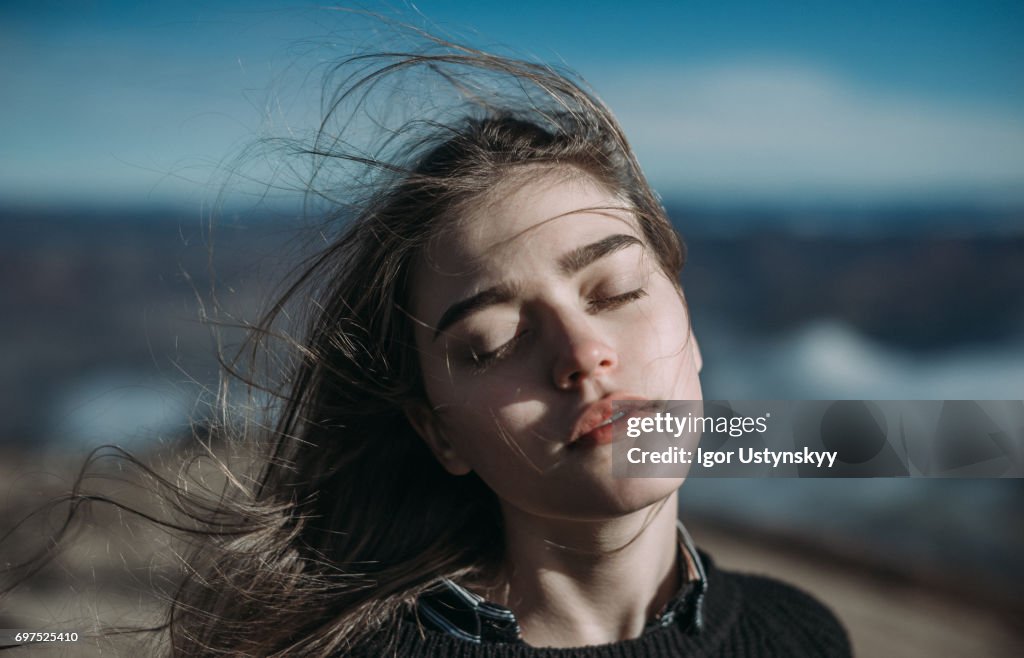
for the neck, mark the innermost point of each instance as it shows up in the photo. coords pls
(579, 583)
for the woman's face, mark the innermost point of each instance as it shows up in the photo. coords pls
(541, 307)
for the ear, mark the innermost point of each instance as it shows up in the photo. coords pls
(424, 420)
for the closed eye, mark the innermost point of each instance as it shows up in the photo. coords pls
(615, 301)
(483, 361)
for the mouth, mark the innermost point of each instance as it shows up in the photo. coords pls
(615, 416)
(596, 425)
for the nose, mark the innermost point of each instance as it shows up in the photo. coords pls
(583, 356)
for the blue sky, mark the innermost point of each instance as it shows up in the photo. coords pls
(921, 102)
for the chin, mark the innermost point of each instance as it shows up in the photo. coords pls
(616, 497)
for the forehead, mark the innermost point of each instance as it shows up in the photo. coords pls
(529, 218)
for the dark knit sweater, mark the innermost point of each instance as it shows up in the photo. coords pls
(744, 616)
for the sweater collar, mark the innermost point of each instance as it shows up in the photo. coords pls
(460, 613)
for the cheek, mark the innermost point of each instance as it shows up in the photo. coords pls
(452, 387)
(507, 447)
(489, 419)
(492, 420)
(486, 429)
(666, 349)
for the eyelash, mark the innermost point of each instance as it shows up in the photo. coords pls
(615, 301)
(481, 362)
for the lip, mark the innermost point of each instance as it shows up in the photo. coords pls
(592, 426)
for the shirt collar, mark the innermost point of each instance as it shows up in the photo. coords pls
(463, 614)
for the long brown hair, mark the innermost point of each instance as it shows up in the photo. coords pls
(349, 517)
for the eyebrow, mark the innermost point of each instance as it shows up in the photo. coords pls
(578, 258)
(498, 294)
(568, 264)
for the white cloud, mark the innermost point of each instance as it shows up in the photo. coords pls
(769, 129)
